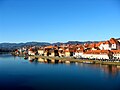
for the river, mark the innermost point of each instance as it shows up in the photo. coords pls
(17, 73)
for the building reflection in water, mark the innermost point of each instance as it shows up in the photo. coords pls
(41, 60)
(17, 58)
(31, 59)
(110, 70)
(107, 69)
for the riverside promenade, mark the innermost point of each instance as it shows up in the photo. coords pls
(74, 60)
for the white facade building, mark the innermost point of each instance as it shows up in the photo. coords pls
(40, 52)
(31, 53)
(104, 47)
(78, 54)
(96, 56)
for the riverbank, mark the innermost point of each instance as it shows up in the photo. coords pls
(4, 52)
(73, 60)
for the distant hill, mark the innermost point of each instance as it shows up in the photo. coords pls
(12, 46)
(77, 42)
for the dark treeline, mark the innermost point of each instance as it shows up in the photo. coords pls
(5, 50)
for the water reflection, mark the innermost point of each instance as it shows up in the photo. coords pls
(111, 70)
(31, 59)
(43, 60)
(46, 74)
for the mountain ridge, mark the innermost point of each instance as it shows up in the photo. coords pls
(11, 46)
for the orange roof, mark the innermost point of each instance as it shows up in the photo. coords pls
(92, 45)
(30, 49)
(80, 46)
(66, 50)
(107, 42)
(98, 44)
(113, 41)
(81, 50)
(49, 46)
(70, 50)
(115, 51)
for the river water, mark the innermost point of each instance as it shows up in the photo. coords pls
(16, 73)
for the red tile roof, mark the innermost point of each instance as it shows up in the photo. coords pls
(49, 46)
(115, 51)
(113, 41)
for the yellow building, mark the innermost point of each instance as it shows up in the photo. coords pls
(67, 53)
(40, 51)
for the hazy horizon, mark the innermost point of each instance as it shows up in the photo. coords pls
(58, 41)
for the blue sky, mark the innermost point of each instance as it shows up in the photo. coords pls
(59, 20)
